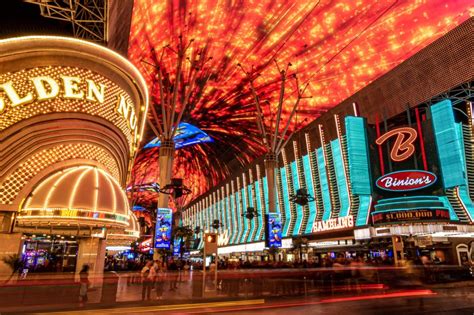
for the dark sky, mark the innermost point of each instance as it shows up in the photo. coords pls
(18, 18)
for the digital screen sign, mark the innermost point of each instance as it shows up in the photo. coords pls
(415, 215)
(185, 136)
(176, 246)
(273, 230)
(164, 222)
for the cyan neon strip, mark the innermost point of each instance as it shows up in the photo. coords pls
(323, 179)
(286, 202)
(252, 222)
(310, 186)
(238, 216)
(259, 211)
(340, 178)
(243, 237)
(299, 209)
(359, 166)
(265, 194)
(449, 144)
(463, 191)
(235, 226)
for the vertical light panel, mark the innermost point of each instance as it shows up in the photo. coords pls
(260, 204)
(233, 202)
(252, 203)
(310, 186)
(323, 179)
(244, 197)
(359, 166)
(344, 198)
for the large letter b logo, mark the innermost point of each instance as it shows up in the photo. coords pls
(403, 147)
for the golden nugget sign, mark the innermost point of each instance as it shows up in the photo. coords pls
(334, 224)
(46, 88)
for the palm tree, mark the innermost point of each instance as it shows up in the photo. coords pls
(300, 243)
(14, 262)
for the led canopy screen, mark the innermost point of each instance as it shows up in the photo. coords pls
(337, 47)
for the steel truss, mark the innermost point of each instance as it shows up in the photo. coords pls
(88, 17)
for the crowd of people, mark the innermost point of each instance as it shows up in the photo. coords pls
(158, 276)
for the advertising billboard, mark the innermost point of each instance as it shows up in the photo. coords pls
(273, 230)
(164, 222)
(177, 246)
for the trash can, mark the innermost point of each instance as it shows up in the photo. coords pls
(109, 287)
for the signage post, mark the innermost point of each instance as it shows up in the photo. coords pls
(210, 247)
(397, 243)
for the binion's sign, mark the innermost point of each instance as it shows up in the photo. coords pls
(403, 147)
(406, 180)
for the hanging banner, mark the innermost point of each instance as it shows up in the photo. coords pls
(273, 230)
(177, 247)
(164, 221)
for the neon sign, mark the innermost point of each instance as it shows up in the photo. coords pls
(334, 224)
(406, 180)
(403, 147)
(44, 88)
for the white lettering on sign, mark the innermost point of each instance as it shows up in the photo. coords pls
(406, 180)
(393, 182)
(334, 224)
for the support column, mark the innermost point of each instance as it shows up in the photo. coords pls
(166, 169)
(271, 164)
(92, 252)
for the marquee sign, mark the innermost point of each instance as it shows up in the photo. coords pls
(61, 87)
(406, 180)
(340, 223)
(414, 215)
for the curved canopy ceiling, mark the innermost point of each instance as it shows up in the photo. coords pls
(338, 47)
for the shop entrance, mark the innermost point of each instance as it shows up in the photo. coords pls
(49, 253)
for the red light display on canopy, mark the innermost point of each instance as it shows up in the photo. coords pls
(337, 46)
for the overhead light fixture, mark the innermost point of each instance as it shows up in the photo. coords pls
(251, 213)
(301, 197)
(216, 224)
(175, 188)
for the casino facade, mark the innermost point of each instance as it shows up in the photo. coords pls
(391, 170)
(71, 119)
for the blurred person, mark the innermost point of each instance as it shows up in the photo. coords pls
(172, 273)
(158, 280)
(147, 280)
(84, 285)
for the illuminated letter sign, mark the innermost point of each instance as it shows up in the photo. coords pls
(406, 180)
(164, 221)
(403, 147)
(340, 223)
